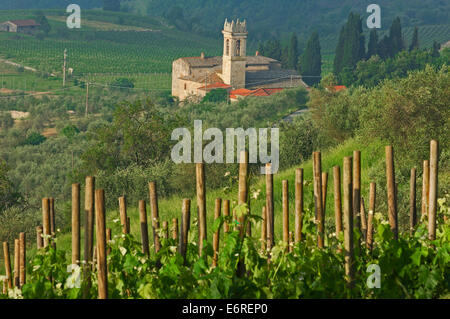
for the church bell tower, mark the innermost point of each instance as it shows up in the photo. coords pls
(234, 53)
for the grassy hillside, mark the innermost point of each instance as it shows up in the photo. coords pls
(169, 208)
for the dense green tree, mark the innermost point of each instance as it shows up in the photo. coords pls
(351, 44)
(272, 49)
(435, 49)
(216, 95)
(415, 40)
(396, 37)
(293, 52)
(384, 47)
(372, 48)
(311, 61)
(44, 25)
(7, 192)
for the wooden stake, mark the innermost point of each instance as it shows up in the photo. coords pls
(22, 258)
(175, 229)
(348, 221)
(102, 274)
(144, 227)
(7, 260)
(412, 201)
(425, 187)
(39, 238)
(291, 242)
(201, 205)
(372, 196)
(226, 212)
(216, 235)
(363, 220)
(16, 263)
(298, 204)
(432, 207)
(89, 206)
(184, 231)
(155, 214)
(75, 224)
(285, 188)
(269, 206)
(243, 188)
(357, 190)
(264, 229)
(108, 240)
(324, 182)
(52, 220)
(123, 215)
(392, 198)
(165, 227)
(46, 220)
(337, 199)
(317, 172)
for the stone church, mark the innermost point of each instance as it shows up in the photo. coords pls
(239, 74)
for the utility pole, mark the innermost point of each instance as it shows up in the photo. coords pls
(64, 67)
(87, 98)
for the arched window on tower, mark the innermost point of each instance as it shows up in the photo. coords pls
(238, 47)
(227, 47)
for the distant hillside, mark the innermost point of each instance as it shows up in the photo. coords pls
(46, 4)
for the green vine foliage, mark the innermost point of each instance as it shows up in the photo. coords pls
(410, 267)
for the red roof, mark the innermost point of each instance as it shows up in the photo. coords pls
(216, 85)
(24, 23)
(256, 92)
(338, 88)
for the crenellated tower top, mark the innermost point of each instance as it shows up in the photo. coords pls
(235, 27)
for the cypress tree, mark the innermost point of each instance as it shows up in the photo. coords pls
(396, 37)
(384, 48)
(415, 40)
(435, 50)
(351, 44)
(293, 52)
(372, 48)
(311, 61)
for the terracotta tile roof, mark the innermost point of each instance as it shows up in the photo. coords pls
(24, 23)
(242, 92)
(256, 92)
(338, 88)
(216, 85)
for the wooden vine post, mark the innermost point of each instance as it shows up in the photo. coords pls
(123, 215)
(7, 261)
(285, 198)
(52, 220)
(39, 238)
(363, 220)
(372, 198)
(392, 196)
(348, 221)
(16, 263)
(357, 191)
(22, 259)
(432, 207)
(201, 205)
(425, 187)
(89, 207)
(324, 193)
(175, 229)
(243, 189)
(184, 230)
(318, 201)
(337, 199)
(46, 220)
(154, 214)
(298, 204)
(144, 227)
(412, 201)
(269, 207)
(165, 228)
(216, 236)
(100, 217)
(75, 224)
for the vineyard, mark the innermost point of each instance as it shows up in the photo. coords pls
(242, 254)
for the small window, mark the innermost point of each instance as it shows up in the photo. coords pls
(238, 47)
(227, 48)
(185, 86)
